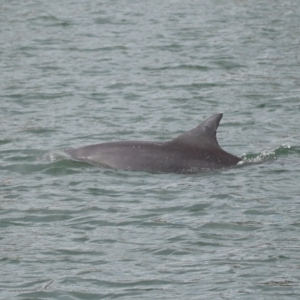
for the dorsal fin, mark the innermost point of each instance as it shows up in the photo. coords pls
(204, 135)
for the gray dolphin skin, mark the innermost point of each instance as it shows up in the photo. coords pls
(191, 152)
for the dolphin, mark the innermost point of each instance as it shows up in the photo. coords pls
(191, 152)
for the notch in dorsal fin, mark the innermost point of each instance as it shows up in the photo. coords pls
(204, 135)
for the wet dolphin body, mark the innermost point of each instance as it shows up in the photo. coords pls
(191, 152)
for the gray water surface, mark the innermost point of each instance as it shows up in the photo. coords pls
(80, 72)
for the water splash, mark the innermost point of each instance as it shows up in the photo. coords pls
(53, 156)
(267, 155)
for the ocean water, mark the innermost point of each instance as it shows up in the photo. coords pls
(81, 72)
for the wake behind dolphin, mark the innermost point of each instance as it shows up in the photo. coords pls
(191, 152)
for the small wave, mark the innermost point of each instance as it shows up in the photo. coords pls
(57, 163)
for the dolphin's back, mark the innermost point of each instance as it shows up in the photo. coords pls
(190, 152)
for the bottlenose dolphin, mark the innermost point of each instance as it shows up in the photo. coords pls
(190, 152)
